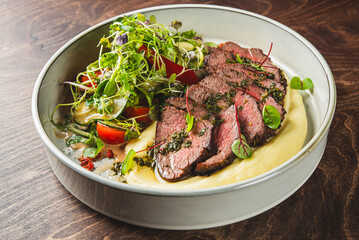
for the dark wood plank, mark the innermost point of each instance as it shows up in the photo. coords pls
(34, 205)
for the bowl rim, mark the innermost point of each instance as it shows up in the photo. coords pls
(318, 136)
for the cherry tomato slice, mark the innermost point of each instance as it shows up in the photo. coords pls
(84, 78)
(131, 112)
(188, 77)
(110, 135)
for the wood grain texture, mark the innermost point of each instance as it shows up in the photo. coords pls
(33, 203)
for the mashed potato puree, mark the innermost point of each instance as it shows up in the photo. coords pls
(282, 147)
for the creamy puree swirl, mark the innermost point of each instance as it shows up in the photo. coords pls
(279, 149)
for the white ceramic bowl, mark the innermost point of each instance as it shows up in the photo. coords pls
(203, 208)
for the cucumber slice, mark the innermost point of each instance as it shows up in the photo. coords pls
(85, 114)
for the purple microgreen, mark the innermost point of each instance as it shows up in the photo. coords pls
(241, 148)
(270, 49)
(122, 39)
(271, 116)
(297, 83)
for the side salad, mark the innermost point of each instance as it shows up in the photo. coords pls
(140, 64)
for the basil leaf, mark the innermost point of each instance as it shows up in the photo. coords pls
(190, 120)
(92, 152)
(271, 116)
(110, 88)
(241, 148)
(100, 88)
(297, 83)
(128, 163)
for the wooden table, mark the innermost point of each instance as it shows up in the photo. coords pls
(33, 203)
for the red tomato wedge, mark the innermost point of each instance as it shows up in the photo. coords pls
(110, 135)
(84, 78)
(131, 112)
(188, 77)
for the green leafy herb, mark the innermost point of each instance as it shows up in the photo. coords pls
(76, 139)
(109, 60)
(239, 60)
(211, 44)
(130, 134)
(241, 148)
(100, 88)
(92, 152)
(127, 28)
(176, 24)
(297, 83)
(110, 88)
(271, 116)
(105, 42)
(128, 162)
(190, 121)
(189, 34)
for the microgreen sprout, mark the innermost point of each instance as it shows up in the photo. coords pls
(240, 147)
(297, 83)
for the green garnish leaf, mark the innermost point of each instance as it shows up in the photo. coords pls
(152, 19)
(105, 42)
(297, 83)
(141, 17)
(176, 24)
(271, 116)
(190, 121)
(128, 163)
(130, 134)
(101, 87)
(241, 148)
(127, 28)
(76, 139)
(92, 152)
(239, 60)
(189, 34)
(110, 88)
(109, 60)
(211, 44)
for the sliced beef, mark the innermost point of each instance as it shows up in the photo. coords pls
(216, 84)
(197, 110)
(251, 120)
(214, 98)
(224, 135)
(199, 94)
(257, 56)
(175, 161)
(218, 58)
